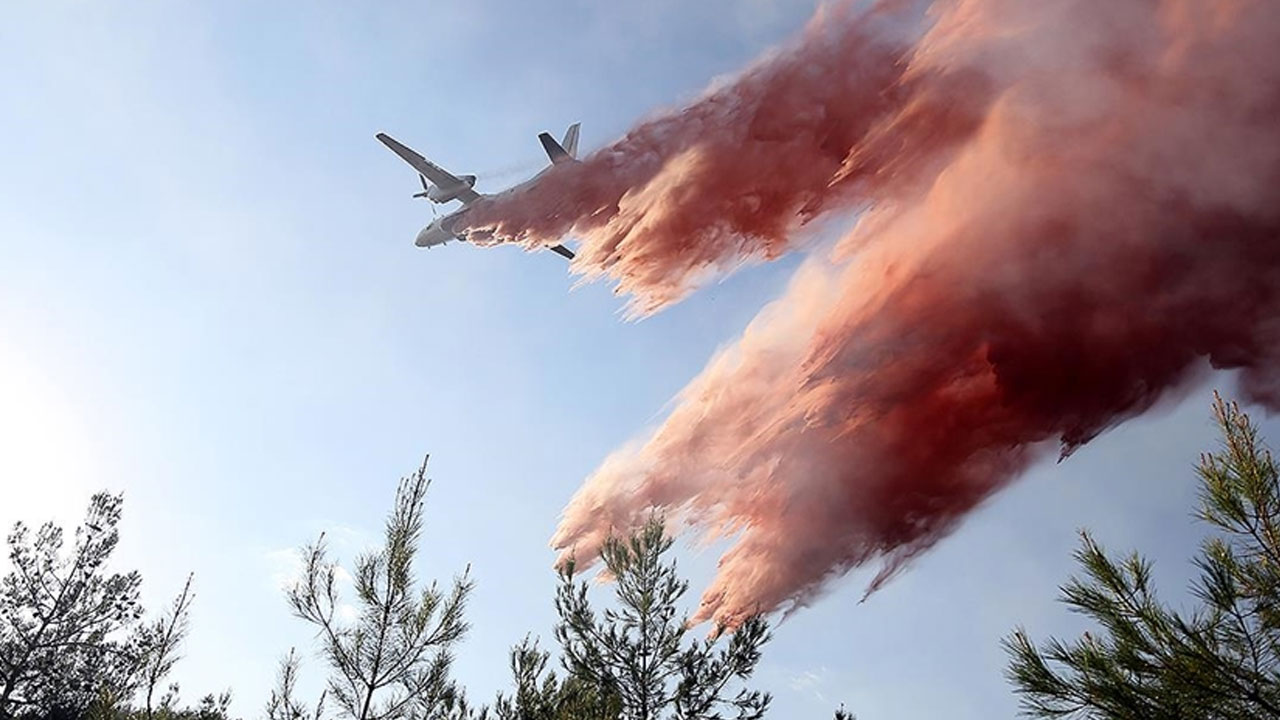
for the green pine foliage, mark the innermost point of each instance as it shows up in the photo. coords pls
(1147, 660)
(73, 642)
(393, 660)
(635, 651)
(541, 695)
(64, 622)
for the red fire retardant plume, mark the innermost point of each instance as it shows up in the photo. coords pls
(1070, 208)
(692, 194)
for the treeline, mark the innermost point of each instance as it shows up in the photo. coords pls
(75, 643)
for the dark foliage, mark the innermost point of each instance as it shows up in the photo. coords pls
(1146, 660)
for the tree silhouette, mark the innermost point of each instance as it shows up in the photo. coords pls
(1147, 660)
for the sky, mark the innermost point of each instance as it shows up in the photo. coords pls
(210, 301)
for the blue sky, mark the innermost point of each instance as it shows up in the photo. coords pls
(209, 299)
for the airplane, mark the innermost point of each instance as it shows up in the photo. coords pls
(441, 186)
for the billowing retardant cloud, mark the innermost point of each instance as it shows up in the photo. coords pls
(1068, 210)
(691, 194)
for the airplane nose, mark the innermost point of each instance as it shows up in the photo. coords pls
(421, 240)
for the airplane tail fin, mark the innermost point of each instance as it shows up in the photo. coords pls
(570, 142)
(564, 151)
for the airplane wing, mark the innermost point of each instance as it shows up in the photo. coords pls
(436, 174)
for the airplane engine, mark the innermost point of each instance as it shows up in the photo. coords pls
(444, 194)
(441, 195)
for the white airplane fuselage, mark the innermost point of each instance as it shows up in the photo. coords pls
(443, 229)
(440, 231)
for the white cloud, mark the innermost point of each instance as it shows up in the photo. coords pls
(284, 567)
(810, 682)
(347, 612)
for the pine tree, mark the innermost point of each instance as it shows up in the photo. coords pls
(392, 661)
(635, 653)
(63, 620)
(1146, 660)
(72, 640)
(541, 695)
(283, 704)
(162, 637)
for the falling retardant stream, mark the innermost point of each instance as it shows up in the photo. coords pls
(1066, 210)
